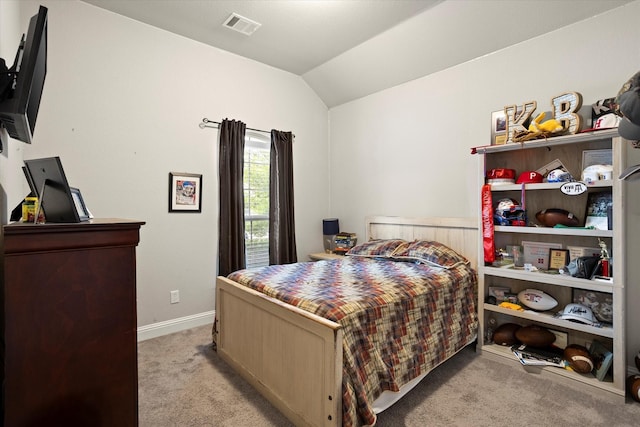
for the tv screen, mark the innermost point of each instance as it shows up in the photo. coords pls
(22, 84)
(50, 184)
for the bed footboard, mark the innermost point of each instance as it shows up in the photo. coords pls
(292, 357)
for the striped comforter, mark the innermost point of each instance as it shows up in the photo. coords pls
(400, 319)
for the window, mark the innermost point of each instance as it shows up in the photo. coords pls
(256, 199)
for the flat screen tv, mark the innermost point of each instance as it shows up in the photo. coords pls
(53, 191)
(21, 85)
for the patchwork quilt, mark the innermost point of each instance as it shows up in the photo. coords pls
(400, 319)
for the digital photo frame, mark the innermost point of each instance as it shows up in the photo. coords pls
(52, 189)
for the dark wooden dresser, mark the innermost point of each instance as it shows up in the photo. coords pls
(69, 347)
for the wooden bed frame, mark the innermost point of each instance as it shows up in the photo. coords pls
(293, 357)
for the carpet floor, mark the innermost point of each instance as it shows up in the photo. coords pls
(182, 382)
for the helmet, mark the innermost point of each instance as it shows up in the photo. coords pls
(559, 175)
(578, 313)
(509, 212)
(529, 176)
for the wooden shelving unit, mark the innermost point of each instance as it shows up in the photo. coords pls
(531, 156)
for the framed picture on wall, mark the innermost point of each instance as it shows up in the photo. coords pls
(185, 192)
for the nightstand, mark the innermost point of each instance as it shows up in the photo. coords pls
(323, 255)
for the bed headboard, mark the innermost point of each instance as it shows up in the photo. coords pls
(460, 234)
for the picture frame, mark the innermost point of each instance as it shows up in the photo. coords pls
(602, 358)
(597, 157)
(185, 192)
(537, 253)
(558, 258)
(81, 207)
(498, 128)
(600, 303)
(599, 210)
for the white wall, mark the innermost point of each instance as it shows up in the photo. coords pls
(406, 150)
(121, 107)
(11, 156)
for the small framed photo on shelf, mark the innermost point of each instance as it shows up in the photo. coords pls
(597, 157)
(600, 303)
(599, 210)
(185, 192)
(498, 128)
(537, 253)
(558, 258)
(78, 201)
(602, 358)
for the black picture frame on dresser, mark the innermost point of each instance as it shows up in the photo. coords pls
(51, 186)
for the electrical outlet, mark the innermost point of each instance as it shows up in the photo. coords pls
(175, 297)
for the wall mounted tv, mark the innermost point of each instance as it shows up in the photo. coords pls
(21, 85)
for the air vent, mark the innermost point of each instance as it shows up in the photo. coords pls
(241, 24)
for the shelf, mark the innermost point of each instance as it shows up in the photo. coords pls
(551, 279)
(530, 155)
(547, 186)
(548, 318)
(607, 385)
(543, 143)
(568, 231)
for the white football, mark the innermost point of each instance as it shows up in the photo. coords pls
(537, 300)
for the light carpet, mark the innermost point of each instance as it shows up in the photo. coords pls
(183, 382)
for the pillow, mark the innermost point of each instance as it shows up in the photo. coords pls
(430, 252)
(377, 248)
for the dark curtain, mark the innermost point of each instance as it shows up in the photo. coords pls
(282, 235)
(231, 246)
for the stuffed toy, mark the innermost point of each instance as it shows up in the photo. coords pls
(539, 129)
(551, 125)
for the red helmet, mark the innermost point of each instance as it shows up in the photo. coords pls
(529, 177)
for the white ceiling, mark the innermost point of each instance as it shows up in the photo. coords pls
(347, 49)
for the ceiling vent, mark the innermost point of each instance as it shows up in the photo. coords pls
(241, 24)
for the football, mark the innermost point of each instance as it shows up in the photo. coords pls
(537, 300)
(553, 217)
(633, 387)
(578, 358)
(535, 336)
(505, 334)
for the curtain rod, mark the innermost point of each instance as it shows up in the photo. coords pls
(205, 124)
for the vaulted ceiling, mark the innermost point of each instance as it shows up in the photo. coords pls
(347, 49)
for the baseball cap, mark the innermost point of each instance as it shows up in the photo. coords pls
(529, 176)
(578, 313)
(606, 121)
(501, 176)
(604, 115)
(628, 101)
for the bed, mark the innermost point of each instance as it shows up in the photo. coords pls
(315, 360)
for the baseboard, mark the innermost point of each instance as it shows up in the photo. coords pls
(175, 325)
